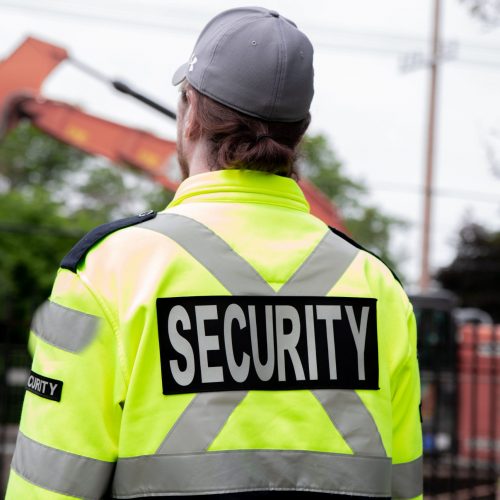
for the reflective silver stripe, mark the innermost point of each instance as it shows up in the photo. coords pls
(200, 423)
(60, 471)
(316, 277)
(63, 327)
(407, 479)
(322, 269)
(236, 471)
(354, 422)
(234, 272)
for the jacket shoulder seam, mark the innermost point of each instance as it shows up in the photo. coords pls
(361, 247)
(73, 258)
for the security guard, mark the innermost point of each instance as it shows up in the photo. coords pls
(232, 345)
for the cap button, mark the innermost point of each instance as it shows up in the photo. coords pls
(274, 13)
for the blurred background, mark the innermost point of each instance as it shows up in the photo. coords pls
(403, 154)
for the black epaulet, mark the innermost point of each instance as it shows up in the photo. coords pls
(357, 245)
(78, 252)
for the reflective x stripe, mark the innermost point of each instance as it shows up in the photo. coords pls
(354, 422)
(63, 327)
(407, 479)
(234, 272)
(236, 471)
(201, 422)
(322, 269)
(316, 276)
(239, 278)
(60, 471)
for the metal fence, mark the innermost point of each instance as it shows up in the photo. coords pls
(14, 368)
(460, 374)
(460, 377)
(461, 400)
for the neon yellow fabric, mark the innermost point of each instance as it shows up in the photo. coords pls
(112, 403)
(280, 415)
(19, 488)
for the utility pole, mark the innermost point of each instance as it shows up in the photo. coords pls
(426, 229)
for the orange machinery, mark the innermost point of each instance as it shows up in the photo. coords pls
(21, 77)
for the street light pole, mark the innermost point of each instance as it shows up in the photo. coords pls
(429, 166)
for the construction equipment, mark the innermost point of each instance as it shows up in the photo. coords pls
(21, 77)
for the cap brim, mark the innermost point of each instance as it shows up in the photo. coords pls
(180, 74)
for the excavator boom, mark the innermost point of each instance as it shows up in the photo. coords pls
(21, 77)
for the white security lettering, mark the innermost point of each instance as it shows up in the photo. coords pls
(329, 314)
(53, 387)
(37, 384)
(311, 344)
(359, 334)
(261, 343)
(181, 345)
(239, 372)
(288, 341)
(264, 371)
(207, 343)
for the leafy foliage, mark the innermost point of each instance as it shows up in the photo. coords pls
(50, 196)
(365, 222)
(487, 11)
(474, 274)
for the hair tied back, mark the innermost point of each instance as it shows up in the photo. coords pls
(262, 136)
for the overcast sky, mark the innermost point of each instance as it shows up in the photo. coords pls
(373, 112)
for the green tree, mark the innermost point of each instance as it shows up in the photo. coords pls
(51, 195)
(366, 223)
(487, 11)
(474, 273)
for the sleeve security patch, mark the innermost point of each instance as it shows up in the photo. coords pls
(44, 387)
(267, 343)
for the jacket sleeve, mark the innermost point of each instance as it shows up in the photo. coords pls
(68, 436)
(407, 474)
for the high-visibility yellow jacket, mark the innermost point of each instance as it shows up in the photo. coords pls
(231, 343)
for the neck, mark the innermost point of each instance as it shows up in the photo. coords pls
(198, 162)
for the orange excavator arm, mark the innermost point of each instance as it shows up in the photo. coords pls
(22, 74)
(21, 77)
(97, 136)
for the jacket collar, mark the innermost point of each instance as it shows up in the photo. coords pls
(241, 186)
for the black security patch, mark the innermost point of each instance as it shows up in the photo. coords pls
(267, 343)
(45, 387)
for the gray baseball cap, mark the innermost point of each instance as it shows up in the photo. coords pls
(255, 61)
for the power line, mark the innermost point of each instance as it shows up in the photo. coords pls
(100, 18)
(478, 196)
(329, 31)
(346, 40)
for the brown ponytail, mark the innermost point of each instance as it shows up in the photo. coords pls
(236, 140)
